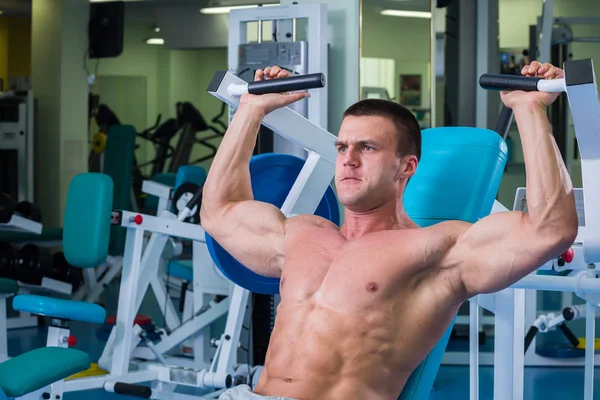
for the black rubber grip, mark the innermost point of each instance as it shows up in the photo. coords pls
(196, 199)
(508, 82)
(301, 82)
(574, 340)
(128, 389)
(529, 337)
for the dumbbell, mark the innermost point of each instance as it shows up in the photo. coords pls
(25, 209)
(8, 254)
(29, 210)
(65, 272)
(32, 264)
(7, 207)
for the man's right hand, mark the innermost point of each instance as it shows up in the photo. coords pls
(271, 101)
(546, 71)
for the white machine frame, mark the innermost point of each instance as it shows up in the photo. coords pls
(509, 305)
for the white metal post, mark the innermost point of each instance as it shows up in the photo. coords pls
(545, 34)
(474, 348)
(233, 329)
(123, 329)
(590, 341)
(506, 347)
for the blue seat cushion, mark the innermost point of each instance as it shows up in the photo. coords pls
(38, 368)
(60, 308)
(182, 269)
(457, 178)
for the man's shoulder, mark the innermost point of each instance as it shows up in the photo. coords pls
(309, 220)
(450, 228)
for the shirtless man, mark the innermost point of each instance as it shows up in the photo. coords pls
(362, 305)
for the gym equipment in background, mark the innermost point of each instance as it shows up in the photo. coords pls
(16, 145)
(300, 57)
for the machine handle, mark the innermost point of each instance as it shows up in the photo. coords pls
(195, 200)
(509, 82)
(300, 82)
(529, 337)
(504, 122)
(128, 389)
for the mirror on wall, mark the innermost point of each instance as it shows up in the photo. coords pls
(396, 54)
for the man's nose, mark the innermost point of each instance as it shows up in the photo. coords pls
(351, 158)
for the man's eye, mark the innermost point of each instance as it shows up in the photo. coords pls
(368, 148)
(342, 149)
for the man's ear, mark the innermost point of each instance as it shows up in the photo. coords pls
(408, 167)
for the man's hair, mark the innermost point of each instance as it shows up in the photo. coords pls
(409, 132)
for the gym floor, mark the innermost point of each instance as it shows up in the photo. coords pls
(452, 381)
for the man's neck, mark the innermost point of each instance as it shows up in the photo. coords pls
(386, 217)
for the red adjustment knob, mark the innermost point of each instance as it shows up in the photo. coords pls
(568, 255)
(138, 219)
(71, 341)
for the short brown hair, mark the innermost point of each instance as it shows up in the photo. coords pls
(409, 132)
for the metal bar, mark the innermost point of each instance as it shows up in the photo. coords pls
(545, 39)
(474, 350)
(164, 226)
(590, 335)
(123, 329)
(558, 283)
(284, 122)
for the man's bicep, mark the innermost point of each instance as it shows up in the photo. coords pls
(496, 252)
(253, 233)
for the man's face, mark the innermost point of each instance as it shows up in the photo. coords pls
(368, 169)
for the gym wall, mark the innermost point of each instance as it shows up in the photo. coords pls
(15, 47)
(171, 76)
(405, 40)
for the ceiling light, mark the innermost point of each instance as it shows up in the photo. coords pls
(155, 41)
(225, 10)
(157, 29)
(410, 14)
(1, 11)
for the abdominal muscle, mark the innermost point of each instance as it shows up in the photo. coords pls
(319, 353)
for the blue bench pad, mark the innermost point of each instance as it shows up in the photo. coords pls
(60, 308)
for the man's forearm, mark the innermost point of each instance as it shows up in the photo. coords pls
(229, 177)
(550, 199)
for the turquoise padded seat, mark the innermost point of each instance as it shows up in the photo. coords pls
(60, 308)
(86, 231)
(8, 286)
(190, 173)
(457, 179)
(182, 269)
(38, 368)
